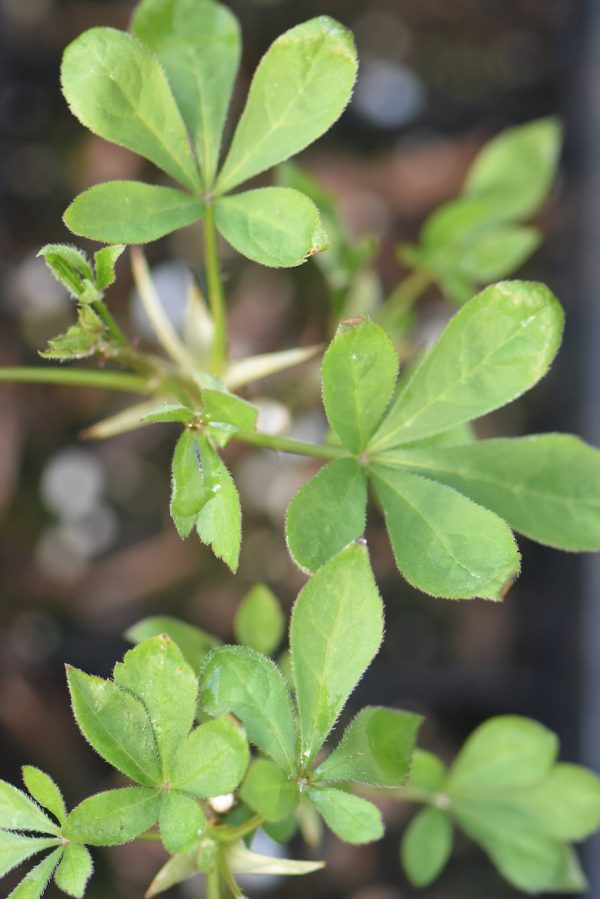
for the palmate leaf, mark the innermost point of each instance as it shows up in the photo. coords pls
(19, 812)
(74, 871)
(35, 882)
(198, 43)
(274, 226)
(443, 543)
(300, 88)
(194, 643)
(115, 86)
(16, 848)
(546, 487)
(351, 818)
(219, 523)
(113, 817)
(181, 821)
(566, 805)
(494, 349)
(212, 760)
(335, 632)
(426, 846)
(269, 791)
(259, 622)
(45, 791)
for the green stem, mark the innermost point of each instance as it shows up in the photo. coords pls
(216, 298)
(213, 884)
(230, 879)
(101, 309)
(77, 377)
(406, 294)
(287, 445)
(226, 833)
(150, 836)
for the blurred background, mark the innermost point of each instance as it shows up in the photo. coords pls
(87, 547)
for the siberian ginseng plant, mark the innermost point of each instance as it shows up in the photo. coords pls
(218, 742)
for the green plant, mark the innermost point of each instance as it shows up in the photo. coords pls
(221, 740)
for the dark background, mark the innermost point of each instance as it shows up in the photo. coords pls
(86, 544)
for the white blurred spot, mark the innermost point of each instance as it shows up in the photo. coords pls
(72, 484)
(388, 94)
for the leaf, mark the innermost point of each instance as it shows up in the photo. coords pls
(35, 882)
(70, 267)
(269, 791)
(359, 372)
(241, 860)
(335, 632)
(241, 681)
(16, 848)
(376, 749)
(74, 871)
(156, 673)
(494, 349)
(219, 523)
(505, 752)
(546, 487)
(194, 643)
(105, 261)
(566, 804)
(498, 252)
(181, 821)
(221, 407)
(351, 818)
(274, 226)
(253, 368)
(282, 831)
(116, 725)
(170, 412)
(130, 212)
(443, 543)
(300, 88)
(427, 773)
(189, 490)
(527, 858)
(517, 169)
(327, 513)
(259, 621)
(426, 846)
(80, 341)
(198, 43)
(212, 760)
(178, 869)
(115, 86)
(45, 791)
(19, 812)
(113, 817)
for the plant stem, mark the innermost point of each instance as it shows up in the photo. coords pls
(213, 884)
(287, 445)
(216, 298)
(406, 294)
(101, 309)
(150, 836)
(230, 880)
(77, 377)
(164, 330)
(227, 834)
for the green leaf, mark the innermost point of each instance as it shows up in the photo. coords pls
(170, 412)
(194, 643)
(300, 88)
(116, 725)
(269, 791)
(335, 632)
(517, 169)
(36, 881)
(427, 773)
(494, 349)
(275, 226)
(156, 673)
(426, 846)
(212, 760)
(130, 212)
(221, 407)
(242, 681)
(376, 749)
(241, 860)
(566, 804)
(189, 491)
(498, 252)
(115, 86)
(259, 621)
(80, 341)
(105, 261)
(16, 848)
(327, 513)
(282, 831)
(253, 368)
(178, 869)
(113, 817)
(351, 818)
(219, 523)
(45, 791)
(198, 44)
(181, 821)
(505, 752)
(527, 858)
(546, 487)
(443, 543)
(74, 871)
(19, 812)
(359, 372)
(70, 267)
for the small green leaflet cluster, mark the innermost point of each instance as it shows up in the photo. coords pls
(480, 236)
(164, 91)
(86, 285)
(448, 501)
(507, 792)
(26, 830)
(336, 630)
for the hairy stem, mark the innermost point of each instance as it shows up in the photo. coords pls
(77, 377)
(216, 298)
(102, 311)
(287, 445)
